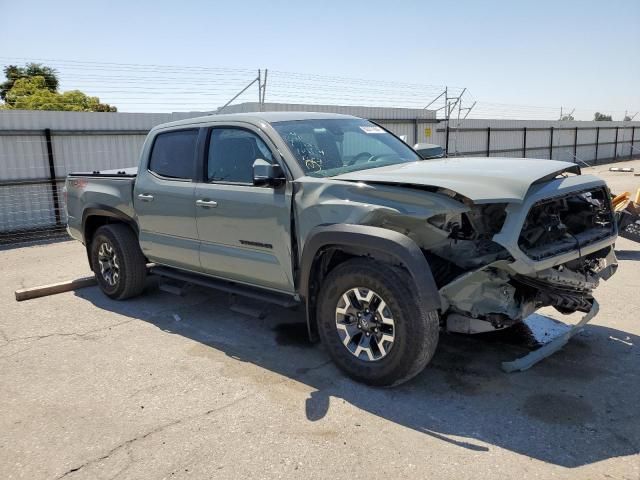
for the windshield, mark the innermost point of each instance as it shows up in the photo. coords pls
(325, 148)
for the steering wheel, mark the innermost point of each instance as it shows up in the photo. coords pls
(359, 157)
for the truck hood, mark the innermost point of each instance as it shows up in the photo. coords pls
(481, 179)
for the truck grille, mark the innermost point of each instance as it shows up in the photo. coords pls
(570, 222)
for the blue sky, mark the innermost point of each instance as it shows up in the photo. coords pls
(582, 54)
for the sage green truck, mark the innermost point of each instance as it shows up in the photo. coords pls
(384, 249)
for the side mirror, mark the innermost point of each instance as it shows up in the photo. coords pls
(267, 174)
(429, 150)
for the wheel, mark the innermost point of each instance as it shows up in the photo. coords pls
(372, 325)
(118, 262)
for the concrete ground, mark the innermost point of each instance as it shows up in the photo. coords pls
(185, 387)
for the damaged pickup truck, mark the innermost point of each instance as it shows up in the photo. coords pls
(383, 249)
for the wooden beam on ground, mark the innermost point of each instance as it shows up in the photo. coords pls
(54, 288)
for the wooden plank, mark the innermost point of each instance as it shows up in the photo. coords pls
(54, 288)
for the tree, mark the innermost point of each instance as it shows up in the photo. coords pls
(601, 117)
(627, 118)
(30, 70)
(566, 118)
(33, 93)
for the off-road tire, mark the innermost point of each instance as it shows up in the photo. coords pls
(131, 261)
(416, 330)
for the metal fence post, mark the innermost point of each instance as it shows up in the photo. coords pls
(551, 143)
(524, 142)
(446, 140)
(595, 160)
(633, 134)
(615, 145)
(575, 146)
(415, 130)
(52, 177)
(488, 141)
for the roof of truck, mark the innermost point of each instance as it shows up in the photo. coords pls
(256, 117)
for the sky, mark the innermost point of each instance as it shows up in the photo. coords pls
(576, 54)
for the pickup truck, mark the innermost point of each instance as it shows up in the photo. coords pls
(337, 214)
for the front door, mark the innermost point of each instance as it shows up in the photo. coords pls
(164, 200)
(244, 230)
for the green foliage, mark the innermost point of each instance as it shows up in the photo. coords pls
(33, 93)
(566, 118)
(30, 70)
(601, 117)
(627, 118)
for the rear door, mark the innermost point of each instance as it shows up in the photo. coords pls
(164, 200)
(243, 229)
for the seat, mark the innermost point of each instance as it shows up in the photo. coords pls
(327, 143)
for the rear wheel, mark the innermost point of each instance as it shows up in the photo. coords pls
(118, 262)
(372, 325)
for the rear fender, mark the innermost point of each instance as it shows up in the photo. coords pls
(106, 214)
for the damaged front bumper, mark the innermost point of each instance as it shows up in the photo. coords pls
(497, 296)
(505, 291)
(529, 360)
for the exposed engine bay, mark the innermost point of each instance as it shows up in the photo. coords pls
(481, 289)
(561, 224)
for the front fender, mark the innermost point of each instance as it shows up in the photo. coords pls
(375, 242)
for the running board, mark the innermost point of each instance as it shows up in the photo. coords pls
(280, 299)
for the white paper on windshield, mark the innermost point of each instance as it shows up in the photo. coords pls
(371, 129)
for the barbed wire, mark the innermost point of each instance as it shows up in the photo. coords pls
(133, 85)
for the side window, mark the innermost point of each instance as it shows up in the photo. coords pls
(232, 152)
(174, 154)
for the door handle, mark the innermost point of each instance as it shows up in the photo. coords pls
(206, 203)
(145, 197)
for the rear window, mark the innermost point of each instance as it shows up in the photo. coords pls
(174, 154)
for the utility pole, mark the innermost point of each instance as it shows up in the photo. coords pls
(449, 107)
(262, 90)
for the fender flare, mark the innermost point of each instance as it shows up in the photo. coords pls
(99, 210)
(374, 242)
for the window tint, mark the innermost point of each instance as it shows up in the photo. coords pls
(232, 152)
(174, 154)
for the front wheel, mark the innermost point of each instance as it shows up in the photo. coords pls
(118, 262)
(372, 325)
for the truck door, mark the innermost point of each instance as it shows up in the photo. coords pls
(164, 200)
(243, 229)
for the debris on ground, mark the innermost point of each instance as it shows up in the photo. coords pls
(559, 341)
(621, 169)
(628, 215)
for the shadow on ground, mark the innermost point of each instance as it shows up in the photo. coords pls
(576, 408)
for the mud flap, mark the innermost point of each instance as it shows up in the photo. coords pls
(529, 360)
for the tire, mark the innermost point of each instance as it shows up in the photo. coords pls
(414, 331)
(128, 267)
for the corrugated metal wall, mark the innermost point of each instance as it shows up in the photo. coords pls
(507, 138)
(30, 201)
(94, 141)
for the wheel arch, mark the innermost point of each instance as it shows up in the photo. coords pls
(327, 246)
(95, 215)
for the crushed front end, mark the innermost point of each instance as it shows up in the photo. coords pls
(502, 262)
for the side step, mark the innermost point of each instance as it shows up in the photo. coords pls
(280, 299)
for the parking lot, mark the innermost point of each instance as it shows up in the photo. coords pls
(167, 386)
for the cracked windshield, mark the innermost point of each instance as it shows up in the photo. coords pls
(325, 148)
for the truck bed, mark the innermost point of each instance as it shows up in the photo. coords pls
(110, 190)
